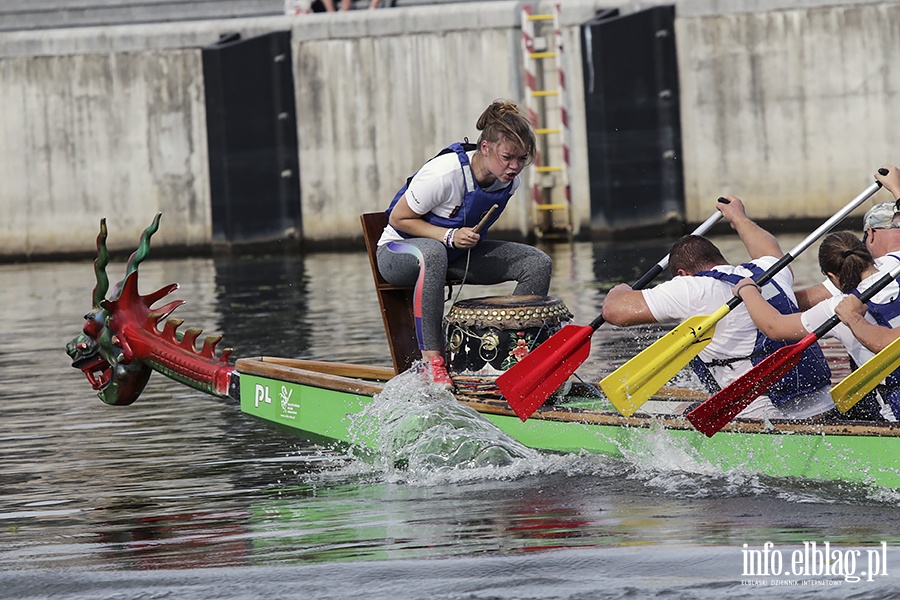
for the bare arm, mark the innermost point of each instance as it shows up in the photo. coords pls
(891, 181)
(788, 328)
(852, 313)
(811, 296)
(757, 240)
(624, 306)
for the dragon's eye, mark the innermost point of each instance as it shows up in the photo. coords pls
(92, 326)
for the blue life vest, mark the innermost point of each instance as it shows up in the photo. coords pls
(810, 374)
(888, 315)
(475, 204)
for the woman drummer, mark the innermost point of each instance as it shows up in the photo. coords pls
(430, 236)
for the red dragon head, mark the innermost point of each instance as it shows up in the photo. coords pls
(120, 344)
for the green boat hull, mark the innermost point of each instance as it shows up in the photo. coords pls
(297, 400)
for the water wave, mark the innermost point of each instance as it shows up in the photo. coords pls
(424, 437)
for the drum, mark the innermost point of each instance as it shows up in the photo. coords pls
(486, 336)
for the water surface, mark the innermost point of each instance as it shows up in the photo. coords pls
(181, 495)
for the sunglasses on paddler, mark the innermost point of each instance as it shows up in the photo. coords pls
(891, 226)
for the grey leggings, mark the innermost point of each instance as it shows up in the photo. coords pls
(489, 262)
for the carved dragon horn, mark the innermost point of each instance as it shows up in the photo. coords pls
(143, 249)
(138, 256)
(100, 264)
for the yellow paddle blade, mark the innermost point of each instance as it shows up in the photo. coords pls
(632, 384)
(864, 379)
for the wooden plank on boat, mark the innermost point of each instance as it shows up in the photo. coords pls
(264, 367)
(333, 368)
(358, 379)
(577, 414)
(787, 426)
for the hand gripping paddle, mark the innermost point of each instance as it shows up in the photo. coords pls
(720, 408)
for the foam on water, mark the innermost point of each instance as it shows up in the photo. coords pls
(424, 437)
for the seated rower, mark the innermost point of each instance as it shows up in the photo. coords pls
(702, 283)
(870, 325)
(850, 267)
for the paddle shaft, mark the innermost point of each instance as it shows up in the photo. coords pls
(807, 341)
(811, 238)
(808, 241)
(528, 383)
(663, 264)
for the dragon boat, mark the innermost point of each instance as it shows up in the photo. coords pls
(125, 339)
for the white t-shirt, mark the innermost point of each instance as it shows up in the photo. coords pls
(439, 187)
(735, 334)
(823, 311)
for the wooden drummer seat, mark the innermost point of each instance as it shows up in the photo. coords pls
(396, 302)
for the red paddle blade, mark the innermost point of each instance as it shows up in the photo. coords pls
(720, 408)
(528, 383)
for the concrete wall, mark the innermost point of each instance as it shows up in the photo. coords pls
(51, 14)
(785, 104)
(104, 122)
(394, 89)
(91, 135)
(54, 14)
(792, 108)
(110, 121)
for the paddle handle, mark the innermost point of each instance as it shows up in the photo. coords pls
(487, 216)
(664, 262)
(824, 228)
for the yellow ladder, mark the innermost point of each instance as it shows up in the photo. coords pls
(543, 60)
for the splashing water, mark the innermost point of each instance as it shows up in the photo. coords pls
(422, 432)
(418, 434)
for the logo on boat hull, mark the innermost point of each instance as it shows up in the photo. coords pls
(263, 398)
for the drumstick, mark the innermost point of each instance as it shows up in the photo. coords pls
(485, 218)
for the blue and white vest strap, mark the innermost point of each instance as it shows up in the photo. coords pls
(810, 374)
(473, 207)
(887, 314)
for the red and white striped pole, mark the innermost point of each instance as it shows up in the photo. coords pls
(531, 86)
(563, 101)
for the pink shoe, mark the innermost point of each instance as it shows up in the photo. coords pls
(439, 373)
